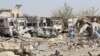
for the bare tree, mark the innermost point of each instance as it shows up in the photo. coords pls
(65, 11)
(90, 12)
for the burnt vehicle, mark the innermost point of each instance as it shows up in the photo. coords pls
(32, 25)
(47, 32)
(13, 26)
(45, 28)
(6, 26)
(42, 27)
(33, 31)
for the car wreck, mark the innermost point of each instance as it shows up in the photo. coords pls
(41, 26)
(13, 26)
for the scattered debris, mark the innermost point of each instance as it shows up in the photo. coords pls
(7, 53)
(42, 46)
(57, 53)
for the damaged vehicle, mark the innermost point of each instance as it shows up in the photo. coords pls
(12, 27)
(43, 27)
(47, 32)
(20, 27)
(6, 26)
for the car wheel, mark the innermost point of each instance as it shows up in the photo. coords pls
(53, 36)
(34, 34)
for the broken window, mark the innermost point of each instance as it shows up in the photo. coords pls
(21, 23)
(1, 21)
(44, 24)
(17, 15)
(29, 24)
(34, 24)
(57, 22)
(11, 23)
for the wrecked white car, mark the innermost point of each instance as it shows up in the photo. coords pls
(47, 32)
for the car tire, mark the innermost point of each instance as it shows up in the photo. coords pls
(34, 34)
(53, 36)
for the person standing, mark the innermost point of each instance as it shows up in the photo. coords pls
(71, 32)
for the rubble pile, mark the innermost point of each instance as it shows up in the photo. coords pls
(13, 47)
(56, 44)
(84, 43)
(49, 47)
(7, 53)
(10, 45)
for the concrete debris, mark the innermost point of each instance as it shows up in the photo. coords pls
(28, 48)
(56, 44)
(26, 35)
(43, 47)
(7, 53)
(50, 47)
(9, 46)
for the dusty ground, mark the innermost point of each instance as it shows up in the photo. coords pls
(59, 46)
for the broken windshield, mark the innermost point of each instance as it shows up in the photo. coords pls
(11, 23)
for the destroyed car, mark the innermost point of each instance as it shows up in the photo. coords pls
(6, 26)
(33, 31)
(47, 32)
(13, 26)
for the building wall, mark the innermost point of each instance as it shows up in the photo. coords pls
(16, 13)
(5, 14)
(10, 13)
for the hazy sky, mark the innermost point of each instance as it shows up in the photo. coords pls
(44, 7)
